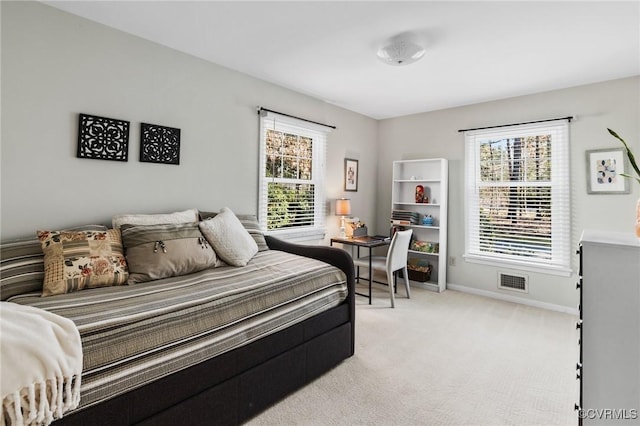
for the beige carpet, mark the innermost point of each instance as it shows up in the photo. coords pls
(445, 359)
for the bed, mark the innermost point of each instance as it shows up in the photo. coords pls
(212, 347)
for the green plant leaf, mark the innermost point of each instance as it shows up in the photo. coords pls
(630, 177)
(632, 159)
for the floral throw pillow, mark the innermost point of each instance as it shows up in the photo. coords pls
(75, 260)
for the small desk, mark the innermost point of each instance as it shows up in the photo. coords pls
(365, 241)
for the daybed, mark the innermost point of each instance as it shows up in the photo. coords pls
(212, 347)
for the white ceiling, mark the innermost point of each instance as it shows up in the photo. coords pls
(475, 51)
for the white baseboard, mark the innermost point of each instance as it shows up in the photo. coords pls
(426, 286)
(514, 299)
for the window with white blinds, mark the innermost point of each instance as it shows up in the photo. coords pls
(292, 171)
(518, 196)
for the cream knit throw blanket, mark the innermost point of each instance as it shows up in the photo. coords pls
(40, 365)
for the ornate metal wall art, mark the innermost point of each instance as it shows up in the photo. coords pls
(159, 144)
(103, 138)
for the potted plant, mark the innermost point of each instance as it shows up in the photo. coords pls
(632, 159)
(635, 167)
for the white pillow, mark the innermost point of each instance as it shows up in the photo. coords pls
(229, 238)
(187, 216)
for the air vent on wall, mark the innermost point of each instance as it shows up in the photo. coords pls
(514, 282)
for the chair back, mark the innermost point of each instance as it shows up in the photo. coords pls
(397, 254)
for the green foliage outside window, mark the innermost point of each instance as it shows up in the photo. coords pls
(289, 205)
(289, 158)
(518, 159)
(515, 196)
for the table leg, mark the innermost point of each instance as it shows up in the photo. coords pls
(358, 267)
(357, 277)
(370, 274)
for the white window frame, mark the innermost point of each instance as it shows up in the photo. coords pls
(560, 262)
(274, 121)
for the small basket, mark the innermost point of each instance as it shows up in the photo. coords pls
(419, 275)
(422, 276)
(418, 271)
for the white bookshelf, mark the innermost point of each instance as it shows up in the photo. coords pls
(433, 175)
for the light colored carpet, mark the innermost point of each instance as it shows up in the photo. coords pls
(445, 359)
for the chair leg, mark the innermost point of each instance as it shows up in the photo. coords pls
(390, 281)
(406, 282)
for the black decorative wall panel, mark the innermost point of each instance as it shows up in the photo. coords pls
(159, 144)
(103, 138)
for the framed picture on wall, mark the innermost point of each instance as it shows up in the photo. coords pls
(159, 144)
(350, 174)
(604, 169)
(102, 138)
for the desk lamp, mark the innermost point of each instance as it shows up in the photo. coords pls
(343, 208)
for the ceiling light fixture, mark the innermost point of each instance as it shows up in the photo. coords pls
(401, 50)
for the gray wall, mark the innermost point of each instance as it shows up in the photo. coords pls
(56, 65)
(611, 104)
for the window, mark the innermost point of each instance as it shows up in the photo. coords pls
(292, 169)
(517, 192)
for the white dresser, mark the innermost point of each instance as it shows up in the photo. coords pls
(609, 328)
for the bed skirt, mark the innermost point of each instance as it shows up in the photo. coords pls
(233, 387)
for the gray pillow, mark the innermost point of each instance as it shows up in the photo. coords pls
(250, 223)
(229, 238)
(168, 250)
(185, 216)
(22, 267)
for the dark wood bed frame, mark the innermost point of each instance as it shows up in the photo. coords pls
(235, 386)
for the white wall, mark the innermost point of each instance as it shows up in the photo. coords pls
(613, 104)
(56, 65)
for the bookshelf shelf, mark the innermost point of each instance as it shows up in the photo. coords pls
(416, 204)
(424, 253)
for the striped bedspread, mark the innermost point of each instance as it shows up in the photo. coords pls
(135, 334)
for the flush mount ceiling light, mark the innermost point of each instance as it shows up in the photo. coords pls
(401, 50)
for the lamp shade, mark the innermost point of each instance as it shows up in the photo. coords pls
(343, 207)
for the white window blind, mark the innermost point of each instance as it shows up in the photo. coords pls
(518, 196)
(292, 169)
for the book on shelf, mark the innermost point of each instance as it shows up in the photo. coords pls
(404, 217)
